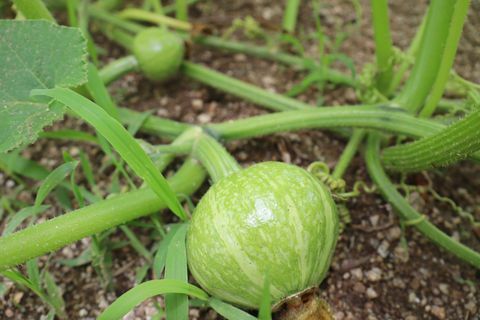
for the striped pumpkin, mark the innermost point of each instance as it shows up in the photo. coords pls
(271, 218)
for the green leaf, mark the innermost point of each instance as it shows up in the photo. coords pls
(137, 122)
(35, 54)
(54, 294)
(122, 141)
(84, 258)
(141, 273)
(176, 306)
(87, 169)
(134, 296)
(53, 180)
(228, 311)
(16, 219)
(97, 89)
(161, 254)
(13, 163)
(20, 279)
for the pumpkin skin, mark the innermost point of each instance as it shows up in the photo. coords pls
(270, 218)
(159, 53)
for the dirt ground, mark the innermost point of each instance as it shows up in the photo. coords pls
(378, 271)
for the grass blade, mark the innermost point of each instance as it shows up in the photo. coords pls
(19, 278)
(161, 254)
(33, 272)
(134, 296)
(97, 89)
(122, 141)
(87, 169)
(54, 295)
(228, 311)
(176, 305)
(53, 180)
(20, 216)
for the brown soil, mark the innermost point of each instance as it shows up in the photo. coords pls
(378, 271)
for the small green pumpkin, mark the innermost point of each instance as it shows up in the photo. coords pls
(159, 53)
(271, 218)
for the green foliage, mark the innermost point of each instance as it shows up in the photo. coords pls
(134, 296)
(53, 180)
(123, 142)
(33, 9)
(228, 311)
(30, 59)
(176, 305)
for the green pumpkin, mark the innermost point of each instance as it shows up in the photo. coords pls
(159, 53)
(271, 218)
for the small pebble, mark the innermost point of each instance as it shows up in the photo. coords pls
(373, 275)
(374, 220)
(204, 118)
(383, 249)
(240, 57)
(443, 288)
(359, 287)
(412, 298)
(10, 184)
(197, 104)
(394, 233)
(9, 313)
(401, 254)
(371, 293)
(17, 297)
(399, 283)
(357, 273)
(438, 312)
(471, 306)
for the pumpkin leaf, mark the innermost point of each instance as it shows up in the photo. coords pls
(35, 54)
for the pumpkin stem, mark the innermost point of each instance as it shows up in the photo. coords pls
(307, 305)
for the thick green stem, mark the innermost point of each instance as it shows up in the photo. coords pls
(214, 157)
(70, 227)
(241, 89)
(160, 19)
(34, 9)
(113, 20)
(290, 15)
(348, 153)
(454, 143)
(372, 117)
(301, 63)
(426, 66)
(406, 212)
(118, 68)
(383, 44)
(451, 45)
